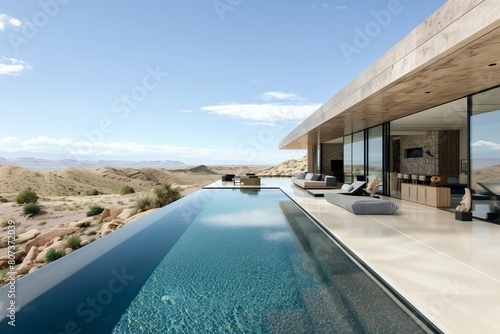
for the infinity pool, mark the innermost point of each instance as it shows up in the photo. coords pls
(217, 261)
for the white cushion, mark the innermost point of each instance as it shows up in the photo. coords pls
(309, 176)
(347, 187)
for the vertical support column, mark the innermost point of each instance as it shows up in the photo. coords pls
(311, 158)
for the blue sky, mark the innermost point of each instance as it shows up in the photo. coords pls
(203, 82)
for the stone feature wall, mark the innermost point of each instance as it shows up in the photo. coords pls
(331, 152)
(425, 165)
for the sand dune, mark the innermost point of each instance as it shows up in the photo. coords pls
(489, 174)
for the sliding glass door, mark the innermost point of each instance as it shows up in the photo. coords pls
(375, 154)
(484, 160)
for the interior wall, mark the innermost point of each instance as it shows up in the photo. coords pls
(426, 165)
(441, 153)
(331, 152)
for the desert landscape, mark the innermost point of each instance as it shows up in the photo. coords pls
(66, 197)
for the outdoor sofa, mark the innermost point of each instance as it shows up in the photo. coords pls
(313, 181)
(355, 189)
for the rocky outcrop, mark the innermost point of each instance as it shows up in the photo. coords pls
(60, 245)
(138, 215)
(110, 213)
(23, 237)
(124, 215)
(109, 227)
(28, 262)
(32, 256)
(46, 237)
(82, 223)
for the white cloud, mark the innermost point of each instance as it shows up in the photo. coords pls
(269, 96)
(257, 81)
(11, 66)
(237, 154)
(327, 6)
(486, 144)
(261, 123)
(80, 149)
(8, 21)
(267, 112)
(279, 107)
(7, 140)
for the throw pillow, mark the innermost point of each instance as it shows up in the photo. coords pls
(316, 177)
(347, 187)
(309, 176)
(301, 176)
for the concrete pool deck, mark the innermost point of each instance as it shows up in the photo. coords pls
(447, 269)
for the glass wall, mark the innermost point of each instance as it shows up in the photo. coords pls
(430, 143)
(319, 154)
(485, 155)
(358, 156)
(363, 158)
(348, 159)
(354, 157)
(375, 153)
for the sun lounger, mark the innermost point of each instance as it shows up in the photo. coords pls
(362, 205)
(355, 189)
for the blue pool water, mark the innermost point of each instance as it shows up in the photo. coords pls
(217, 261)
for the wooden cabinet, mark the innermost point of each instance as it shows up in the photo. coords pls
(438, 197)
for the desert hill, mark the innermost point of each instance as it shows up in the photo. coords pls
(286, 168)
(74, 181)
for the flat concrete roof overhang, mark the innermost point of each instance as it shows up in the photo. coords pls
(445, 58)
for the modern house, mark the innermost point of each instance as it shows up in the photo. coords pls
(430, 106)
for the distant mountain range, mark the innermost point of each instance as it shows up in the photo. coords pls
(41, 164)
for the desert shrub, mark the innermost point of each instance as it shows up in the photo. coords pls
(126, 189)
(3, 200)
(73, 241)
(3, 273)
(27, 195)
(53, 254)
(4, 223)
(42, 223)
(31, 209)
(143, 203)
(165, 194)
(94, 210)
(91, 192)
